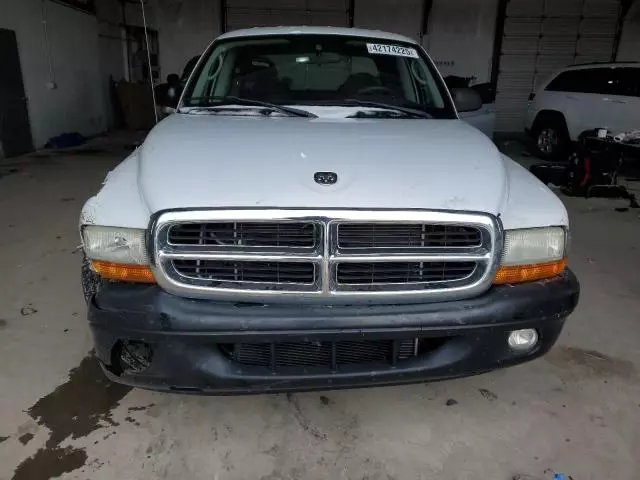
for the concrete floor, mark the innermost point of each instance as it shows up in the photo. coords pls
(576, 411)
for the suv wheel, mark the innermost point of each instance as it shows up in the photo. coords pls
(551, 138)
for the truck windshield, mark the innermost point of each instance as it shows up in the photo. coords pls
(320, 70)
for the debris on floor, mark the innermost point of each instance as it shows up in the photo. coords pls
(28, 310)
(556, 476)
(66, 140)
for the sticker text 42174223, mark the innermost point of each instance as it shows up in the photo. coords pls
(398, 51)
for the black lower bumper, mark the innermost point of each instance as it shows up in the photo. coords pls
(190, 339)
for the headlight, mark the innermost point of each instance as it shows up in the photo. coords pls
(535, 245)
(533, 254)
(118, 253)
(118, 245)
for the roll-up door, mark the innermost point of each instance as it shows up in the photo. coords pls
(542, 36)
(252, 13)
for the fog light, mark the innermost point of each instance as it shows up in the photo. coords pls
(523, 339)
(134, 357)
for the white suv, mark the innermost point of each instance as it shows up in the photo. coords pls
(583, 97)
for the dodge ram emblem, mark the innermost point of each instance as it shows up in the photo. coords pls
(325, 178)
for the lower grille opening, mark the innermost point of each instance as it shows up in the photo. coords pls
(328, 355)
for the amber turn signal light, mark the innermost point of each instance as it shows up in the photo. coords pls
(124, 273)
(530, 273)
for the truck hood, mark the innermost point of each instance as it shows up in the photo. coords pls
(209, 161)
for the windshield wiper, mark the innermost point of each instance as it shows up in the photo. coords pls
(413, 112)
(231, 100)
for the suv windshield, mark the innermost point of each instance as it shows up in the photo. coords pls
(320, 70)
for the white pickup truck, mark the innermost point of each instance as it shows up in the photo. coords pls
(315, 215)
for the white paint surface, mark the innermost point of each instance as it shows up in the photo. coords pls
(256, 162)
(118, 204)
(218, 161)
(77, 104)
(529, 203)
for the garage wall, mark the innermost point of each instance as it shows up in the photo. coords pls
(249, 13)
(460, 33)
(460, 37)
(185, 28)
(77, 103)
(629, 49)
(399, 16)
(111, 49)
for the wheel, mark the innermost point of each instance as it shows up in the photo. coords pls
(551, 138)
(90, 281)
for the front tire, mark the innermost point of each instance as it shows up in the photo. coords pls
(551, 138)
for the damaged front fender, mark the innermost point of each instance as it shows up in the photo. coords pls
(118, 203)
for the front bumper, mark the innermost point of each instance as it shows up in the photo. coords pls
(186, 336)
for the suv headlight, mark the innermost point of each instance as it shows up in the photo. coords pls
(533, 254)
(118, 253)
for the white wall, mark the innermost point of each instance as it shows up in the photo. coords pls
(398, 16)
(77, 104)
(185, 28)
(460, 37)
(460, 33)
(629, 50)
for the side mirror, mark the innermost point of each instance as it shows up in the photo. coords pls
(466, 99)
(167, 95)
(173, 79)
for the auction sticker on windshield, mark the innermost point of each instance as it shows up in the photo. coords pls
(396, 50)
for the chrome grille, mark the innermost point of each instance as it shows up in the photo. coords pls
(329, 257)
(244, 234)
(246, 272)
(381, 235)
(404, 273)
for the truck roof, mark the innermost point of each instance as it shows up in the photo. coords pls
(586, 66)
(351, 32)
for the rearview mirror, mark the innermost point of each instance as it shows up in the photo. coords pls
(466, 99)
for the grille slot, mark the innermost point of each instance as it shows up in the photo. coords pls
(402, 272)
(247, 271)
(384, 235)
(245, 234)
(330, 355)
